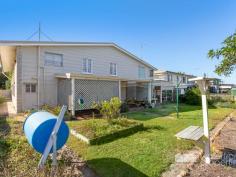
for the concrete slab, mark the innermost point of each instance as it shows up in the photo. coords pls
(7, 109)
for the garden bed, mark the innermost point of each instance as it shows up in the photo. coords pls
(18, 158)
(99, 131)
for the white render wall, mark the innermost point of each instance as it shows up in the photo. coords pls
(127, 67)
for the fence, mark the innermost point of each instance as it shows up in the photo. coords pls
(222, 97)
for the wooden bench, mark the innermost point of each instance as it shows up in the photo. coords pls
(191, 133)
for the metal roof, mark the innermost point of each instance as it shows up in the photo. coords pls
(57, 43)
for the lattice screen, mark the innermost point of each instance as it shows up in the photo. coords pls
(94, 90)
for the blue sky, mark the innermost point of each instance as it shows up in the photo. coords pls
(170, 34)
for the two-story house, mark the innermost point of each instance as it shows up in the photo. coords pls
(57, 73)
(165, 84)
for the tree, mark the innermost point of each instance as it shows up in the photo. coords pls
(227, 56)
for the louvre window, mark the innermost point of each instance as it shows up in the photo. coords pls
(52, 59)
(87, 65)
(113, 69)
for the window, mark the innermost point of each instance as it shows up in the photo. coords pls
(141, 72)
(169, 77)
(87, 65)
(184, 80)
(52, 59)
(113, 69)
(151, 73)
(30, 88)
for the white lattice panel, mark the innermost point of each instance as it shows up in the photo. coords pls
(94, 90)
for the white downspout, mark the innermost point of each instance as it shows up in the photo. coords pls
(38, 80)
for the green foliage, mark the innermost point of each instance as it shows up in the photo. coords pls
(109, 109)
(124, 107)
(193, 96)
(99, 131)
(5, 80)
(55, 110)
(226, 55)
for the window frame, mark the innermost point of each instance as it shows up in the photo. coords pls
(113, 67)
(86, 71)
(29, 87)
(53, 62)
(140, 73)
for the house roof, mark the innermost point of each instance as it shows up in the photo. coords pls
(173, 72)
(57, 43)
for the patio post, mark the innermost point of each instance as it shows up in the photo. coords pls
(150, 92)
(73, 96)
(161, 94)
(120, 89)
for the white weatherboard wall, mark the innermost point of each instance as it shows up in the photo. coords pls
(101, 57)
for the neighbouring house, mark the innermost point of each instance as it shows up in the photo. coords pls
(73, 73)
(226, 88)
(214, 85)
(165, 84)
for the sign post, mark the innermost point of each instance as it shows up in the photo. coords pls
(203, 84)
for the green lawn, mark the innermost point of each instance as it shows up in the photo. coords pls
(148, 152)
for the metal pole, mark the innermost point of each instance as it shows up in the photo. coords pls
(177, 101)
(39, 31)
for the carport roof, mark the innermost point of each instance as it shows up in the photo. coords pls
(95, 77)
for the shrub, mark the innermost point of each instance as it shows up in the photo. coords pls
(193, 96)
(109, 109)
(55, 110)
(124, 107)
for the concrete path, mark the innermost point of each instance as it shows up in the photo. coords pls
(7, 109)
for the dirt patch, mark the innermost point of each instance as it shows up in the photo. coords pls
(17, 157)
(212, 170)
(225, 140)
(75, 166)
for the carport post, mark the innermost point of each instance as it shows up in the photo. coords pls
(73, 96)
(203, 82)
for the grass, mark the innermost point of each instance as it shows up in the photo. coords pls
(148, 152)
(94, 128)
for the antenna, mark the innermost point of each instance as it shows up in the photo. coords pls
(40, 33)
